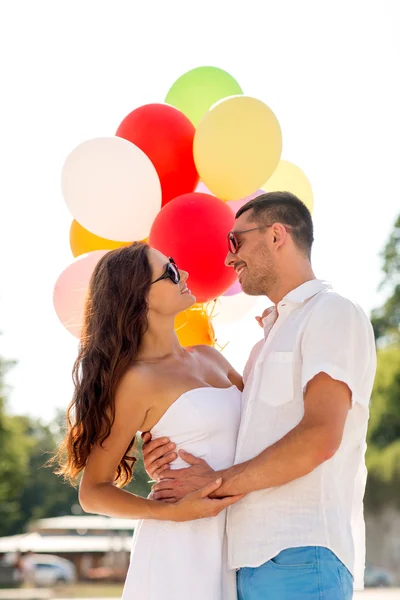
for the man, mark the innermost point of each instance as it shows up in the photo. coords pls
(301, 446)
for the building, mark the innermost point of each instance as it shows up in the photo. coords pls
(98, 546)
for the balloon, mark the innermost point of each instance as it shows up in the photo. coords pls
(193, 229)
(71, 289)
(236, 288)
(111, 188)
(201, 188)
(166, 136)
(83, 241)
(237, 147)
(197, 90)
(290, 178)
(233, 204)
(194, 327)
(228, 309)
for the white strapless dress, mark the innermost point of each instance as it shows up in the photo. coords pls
(187, 561)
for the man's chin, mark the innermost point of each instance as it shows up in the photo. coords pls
(250, 290)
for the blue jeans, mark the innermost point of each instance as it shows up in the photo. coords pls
(309, 573)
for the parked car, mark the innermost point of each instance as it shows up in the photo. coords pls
(376, 577)
(49, 570)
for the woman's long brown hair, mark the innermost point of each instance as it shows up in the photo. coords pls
(114, 323)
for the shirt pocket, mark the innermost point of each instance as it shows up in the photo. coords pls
(276, 382)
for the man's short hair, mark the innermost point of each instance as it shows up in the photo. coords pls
(285, 208)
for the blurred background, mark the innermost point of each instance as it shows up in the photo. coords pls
(71, 71)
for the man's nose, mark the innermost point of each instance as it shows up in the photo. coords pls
(230, 259)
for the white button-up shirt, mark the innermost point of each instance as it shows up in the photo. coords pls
(314, 330)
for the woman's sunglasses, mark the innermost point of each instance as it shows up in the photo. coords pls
(171, 272)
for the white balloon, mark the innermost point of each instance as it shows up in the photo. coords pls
(232, 308)
(112, 188)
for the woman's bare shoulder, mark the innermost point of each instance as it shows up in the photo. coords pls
(137, 383)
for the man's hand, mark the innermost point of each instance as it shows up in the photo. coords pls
(157, 455)
(199, 505)
(175, 484)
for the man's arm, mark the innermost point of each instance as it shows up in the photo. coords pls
(312, 442)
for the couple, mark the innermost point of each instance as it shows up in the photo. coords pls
(285, 453)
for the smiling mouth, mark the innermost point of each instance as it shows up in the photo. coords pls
(240, 270)
(185, 290)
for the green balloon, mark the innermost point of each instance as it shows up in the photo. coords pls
(197, 90)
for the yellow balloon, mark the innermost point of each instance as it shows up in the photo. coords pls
(82, 241)
(193, 327)
(290, 178)
(237, 147)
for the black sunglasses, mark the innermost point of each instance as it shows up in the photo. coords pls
(171, 272)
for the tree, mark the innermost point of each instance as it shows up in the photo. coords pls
(13, 462)
(140, 482)
(386, 319)
(383, 454)
(44, 495)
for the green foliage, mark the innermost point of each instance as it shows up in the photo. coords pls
(384, 426)
(386, 319)
(391, 256)
(383, 454)
(13, 462)
(13, 472)
(45, 494)
(29, 489)
(140, 483)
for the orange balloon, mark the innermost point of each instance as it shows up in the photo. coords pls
(83, 241)
(193, 327)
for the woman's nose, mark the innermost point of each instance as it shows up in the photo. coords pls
(184, 275)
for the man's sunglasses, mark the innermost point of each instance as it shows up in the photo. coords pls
(233, 240)
(171, 272)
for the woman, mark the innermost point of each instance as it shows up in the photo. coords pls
(132, 375)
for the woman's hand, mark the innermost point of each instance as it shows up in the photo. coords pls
(198, 505)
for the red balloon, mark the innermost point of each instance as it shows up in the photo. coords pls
(166, 136)
(193, 229)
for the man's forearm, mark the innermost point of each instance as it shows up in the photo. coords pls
(301, 451)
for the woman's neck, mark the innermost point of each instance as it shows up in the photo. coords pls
(160, 341)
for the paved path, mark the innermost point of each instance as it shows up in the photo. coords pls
(42, 594)
(378, 594)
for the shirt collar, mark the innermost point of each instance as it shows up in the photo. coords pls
(299, 295)
(306, 290)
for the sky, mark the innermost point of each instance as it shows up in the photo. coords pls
(72, 70)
